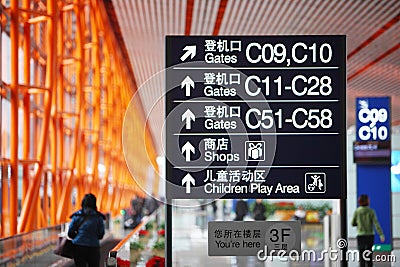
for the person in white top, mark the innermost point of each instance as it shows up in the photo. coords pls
(300, 214)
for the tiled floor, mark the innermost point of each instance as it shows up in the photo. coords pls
(190, 244)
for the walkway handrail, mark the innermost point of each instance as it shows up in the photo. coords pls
(135, 230)
(16, 247)
(58, 226)
(113, 254)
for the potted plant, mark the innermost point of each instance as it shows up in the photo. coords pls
(158, 248)
(161, 226)
(161, 233)
(135, 248)
(156, 261)
(150, 225)
(123, 263)
(144, 236)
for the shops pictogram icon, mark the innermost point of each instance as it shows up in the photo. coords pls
(255, 150)
(315, 182)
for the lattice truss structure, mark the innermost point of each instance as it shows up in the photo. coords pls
(65, 86)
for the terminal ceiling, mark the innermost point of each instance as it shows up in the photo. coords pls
(372, 29)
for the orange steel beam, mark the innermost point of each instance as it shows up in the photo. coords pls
(5, 200)
(33, 191)
(96, 93)
(56, 177)
(105, 121)
(109, 127)
(14, 36)
(74, 162)
(73, 165)
(56, 127)
(103, 189)
(53, 161)
(26, 101)
(45, 200)
(75, 91)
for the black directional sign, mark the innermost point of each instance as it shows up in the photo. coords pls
(255, 116)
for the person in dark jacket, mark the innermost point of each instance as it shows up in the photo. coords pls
(137, 205)
(241, 210)
(91, 229)
(150, 205)
(259, 210)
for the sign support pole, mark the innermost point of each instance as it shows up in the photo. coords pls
(343, 228)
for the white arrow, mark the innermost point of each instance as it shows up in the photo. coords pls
(186, 149)
(190, 51)
(189, 117)
(187, 83)
(188, 179)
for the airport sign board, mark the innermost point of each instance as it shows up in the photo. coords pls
(255, 117)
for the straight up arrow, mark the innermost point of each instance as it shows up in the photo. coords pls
(189, 117)
(188, 179)
(187, 83)
(190, 51)
(186, 149)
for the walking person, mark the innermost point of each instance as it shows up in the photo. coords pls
(215, 209)
(87, 225)
(241, 210)
(365, 219)
(300, 214)
(259, 210)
